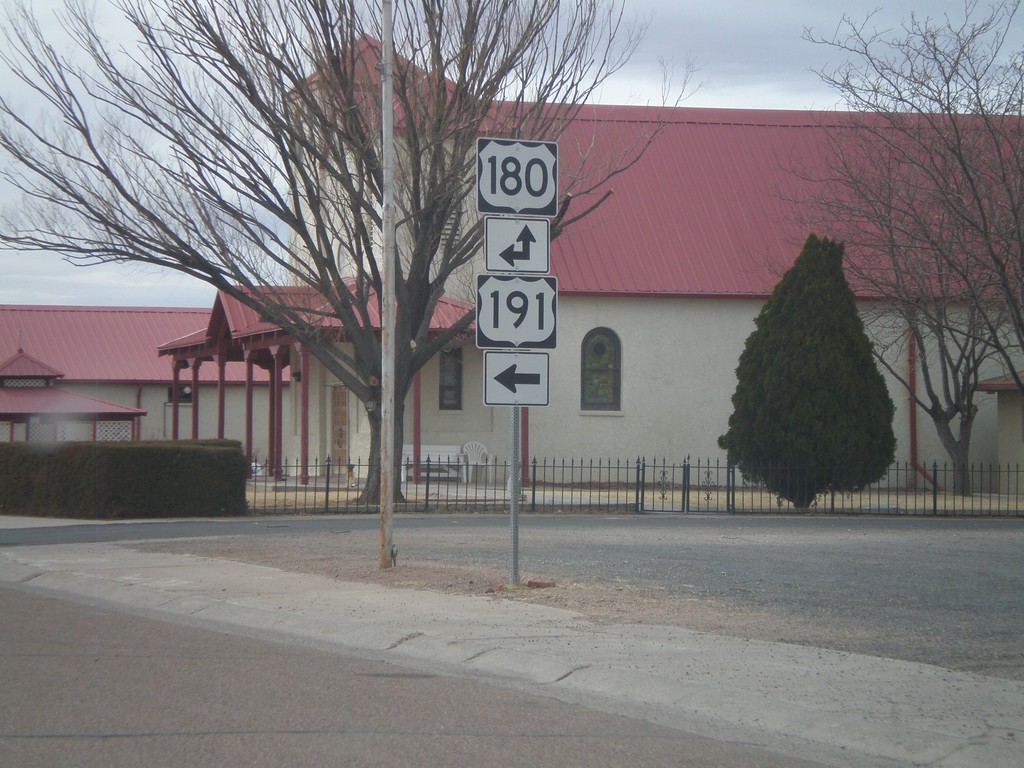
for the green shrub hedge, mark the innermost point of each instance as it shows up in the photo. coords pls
(122, 480)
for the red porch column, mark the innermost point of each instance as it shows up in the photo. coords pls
(417, 434)
(176, 396)
(248, 409)
(195, 397)
(274, 385)
(303, 377)
(279, 408)
(222, 362)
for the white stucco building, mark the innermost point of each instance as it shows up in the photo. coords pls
(658, 291)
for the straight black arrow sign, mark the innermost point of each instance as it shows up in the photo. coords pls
(510, 378)
(516, 378)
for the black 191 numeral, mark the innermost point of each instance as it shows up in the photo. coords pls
(518, 303)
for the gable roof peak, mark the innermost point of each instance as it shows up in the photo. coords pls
(22, 365)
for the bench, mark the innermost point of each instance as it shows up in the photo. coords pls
(447, 462)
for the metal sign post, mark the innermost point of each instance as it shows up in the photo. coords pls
(518, 181)
(514, 492)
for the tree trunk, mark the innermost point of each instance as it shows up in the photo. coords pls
(371, 489)
(958, 449)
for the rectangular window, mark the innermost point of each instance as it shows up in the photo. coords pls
(184, 394)
(449, 391)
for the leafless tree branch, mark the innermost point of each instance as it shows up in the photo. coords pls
(239, 142)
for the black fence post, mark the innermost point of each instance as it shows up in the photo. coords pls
(935, 487)
(533, 486)
(426, 488)
(686, 485)
(327, 485)
(636, 487)
(636, 499)
(730, 473)
(643, 484)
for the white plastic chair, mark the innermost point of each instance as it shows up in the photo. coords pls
(476, 455)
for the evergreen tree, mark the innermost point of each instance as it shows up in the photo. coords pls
(811, 410)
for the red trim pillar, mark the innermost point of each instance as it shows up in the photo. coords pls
(195, 398)
(272, 388)
(175, 397)
(417, 433)
(303, 374)
(912, 397)
(248, 409)
(222, 362)
(277, 410)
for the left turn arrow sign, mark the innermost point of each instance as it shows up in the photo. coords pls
(516, 378)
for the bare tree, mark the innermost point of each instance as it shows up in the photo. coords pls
(926, 186)
(240, 142)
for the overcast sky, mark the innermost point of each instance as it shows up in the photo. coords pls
(750, 52)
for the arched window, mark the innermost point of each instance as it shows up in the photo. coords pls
(601, 371)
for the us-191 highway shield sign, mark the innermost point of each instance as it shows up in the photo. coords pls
(517, 312)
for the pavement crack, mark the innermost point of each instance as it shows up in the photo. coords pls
(410, 636)
(572, 671)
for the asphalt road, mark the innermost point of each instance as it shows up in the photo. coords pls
(943, 591)
(85, 686)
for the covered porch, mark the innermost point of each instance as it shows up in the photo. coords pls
(236, 333)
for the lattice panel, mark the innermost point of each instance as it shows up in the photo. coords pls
(113, 430)
(5, 431)
(24, 383)
(74, 430)
(41, 432)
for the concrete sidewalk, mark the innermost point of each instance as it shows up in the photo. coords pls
(837, 708)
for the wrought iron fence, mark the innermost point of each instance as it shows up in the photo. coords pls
(631, 485)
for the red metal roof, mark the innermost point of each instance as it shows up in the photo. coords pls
(112, 344)
(243, 323)
(58, 402)
(703, 213)
(23, 366)
(1000, 384)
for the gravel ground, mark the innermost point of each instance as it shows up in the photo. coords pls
(349, 556)
(323, 556)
